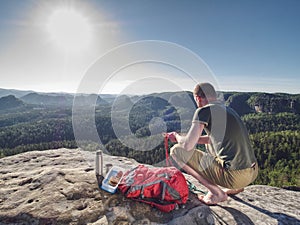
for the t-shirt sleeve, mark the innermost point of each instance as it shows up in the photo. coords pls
(202, 115)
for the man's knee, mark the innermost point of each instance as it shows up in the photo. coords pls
(176, 157)
(175, 150)
(180, 155)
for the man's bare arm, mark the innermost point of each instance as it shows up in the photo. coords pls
(189, 141)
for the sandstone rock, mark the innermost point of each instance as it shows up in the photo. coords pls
(60, 187)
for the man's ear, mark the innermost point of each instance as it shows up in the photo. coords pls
(199, 99)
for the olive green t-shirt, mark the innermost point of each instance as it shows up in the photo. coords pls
(229, 136)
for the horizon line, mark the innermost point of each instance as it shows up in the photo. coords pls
(74, 93)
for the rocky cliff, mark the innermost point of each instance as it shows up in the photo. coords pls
(60, 187)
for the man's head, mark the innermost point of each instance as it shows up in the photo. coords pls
(204, 93)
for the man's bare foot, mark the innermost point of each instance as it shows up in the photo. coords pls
(212, 199)
(232, 191)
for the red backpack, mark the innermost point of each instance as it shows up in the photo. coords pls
(164, 188)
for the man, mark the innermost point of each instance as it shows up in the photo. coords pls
(229, 164)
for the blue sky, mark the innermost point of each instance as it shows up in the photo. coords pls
(248, 45)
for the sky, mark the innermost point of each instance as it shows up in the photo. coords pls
(137, 46)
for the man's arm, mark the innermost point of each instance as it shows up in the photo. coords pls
(189, 141)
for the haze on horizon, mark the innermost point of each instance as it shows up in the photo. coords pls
(248, 46)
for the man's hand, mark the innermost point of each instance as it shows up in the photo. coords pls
(172, 136)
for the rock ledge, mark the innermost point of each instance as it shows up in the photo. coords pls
(60, 187)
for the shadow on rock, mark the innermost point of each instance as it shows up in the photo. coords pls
(280, 217)
(238, 216)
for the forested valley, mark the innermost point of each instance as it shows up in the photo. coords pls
(44, 121)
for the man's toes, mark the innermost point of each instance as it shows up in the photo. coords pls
(208, 200)
(200, 197)
(233, 191)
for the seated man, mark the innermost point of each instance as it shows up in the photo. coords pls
(229, 164)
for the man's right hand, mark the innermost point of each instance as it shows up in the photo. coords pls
(172, 136)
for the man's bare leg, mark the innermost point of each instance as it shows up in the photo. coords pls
(215, 193)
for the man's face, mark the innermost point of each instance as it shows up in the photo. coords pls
(200, 101)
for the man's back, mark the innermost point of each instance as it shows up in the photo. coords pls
(229, 136)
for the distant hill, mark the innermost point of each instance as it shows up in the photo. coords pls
(122, 102)
(274, 103)
(238, 102)
(249, 102)
(16, 93)
(108, 97)
(10, 102)
(44, 99)
(243, 102)
(90, 99)
(61, 99)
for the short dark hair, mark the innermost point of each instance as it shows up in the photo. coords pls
(205, 90)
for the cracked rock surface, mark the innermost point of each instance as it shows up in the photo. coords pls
(60, 187)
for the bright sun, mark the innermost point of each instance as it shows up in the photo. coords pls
(69, 29)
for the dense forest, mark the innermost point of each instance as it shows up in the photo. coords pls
(34, 121)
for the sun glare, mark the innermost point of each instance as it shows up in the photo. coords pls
(69, 29)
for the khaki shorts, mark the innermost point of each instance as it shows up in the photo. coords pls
(211, 168)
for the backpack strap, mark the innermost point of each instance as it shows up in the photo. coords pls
(194, 189)
(168, 161)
